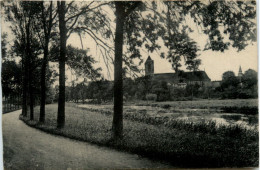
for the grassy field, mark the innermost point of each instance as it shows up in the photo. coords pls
(201, 104)
(182, 144)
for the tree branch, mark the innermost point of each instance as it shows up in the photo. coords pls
(132, 7)
(92, 34)
(69, 5)
(75, 21)
(84, 10)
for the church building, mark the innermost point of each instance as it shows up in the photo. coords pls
(240, 74)
(180, 79)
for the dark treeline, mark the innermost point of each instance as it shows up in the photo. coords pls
(233, 87)
(144, 88)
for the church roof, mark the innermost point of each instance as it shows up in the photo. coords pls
(185, 76)
(196, 76)
(148, 59)
(240, 69)
(167, 77)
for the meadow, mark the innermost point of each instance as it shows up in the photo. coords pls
(180, 142)
(203, 103)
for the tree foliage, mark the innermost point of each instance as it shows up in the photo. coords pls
(4, 46)
(11, 78)
(225, 23)
(22, 16)
(82, 63)
(217, 19)
(229, 79)
(239, 87)
(249, 78)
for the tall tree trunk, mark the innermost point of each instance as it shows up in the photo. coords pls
(25, 87)
(47, 31)
(31, 96)
(63, 39)
(117, 126)
(26, 69)
(30, 72)
(43, 84)
(30, 63)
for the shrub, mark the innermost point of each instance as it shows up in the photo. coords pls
(151, 97)
(166, 106)
(49, 100)
(244, 109)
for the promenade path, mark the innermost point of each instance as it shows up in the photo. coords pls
(29, 148)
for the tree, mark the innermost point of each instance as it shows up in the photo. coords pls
(123, 9)
(3, 46)
(236, 19)
(82, 63)
(11, 78)
(249, 84)
(229, 85)
(162, 91)
(129, 87)
(193, 65)
(22, 16)
(229, 79)
(62, 56)
(249, 78)
(11, 71)
(70, 20)
(47, 25)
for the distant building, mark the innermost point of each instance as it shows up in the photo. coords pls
(240, 73)
(149, 66)
(215, 84)
(239, 76)
(180, 79)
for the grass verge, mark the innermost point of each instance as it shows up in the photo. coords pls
(205, 146)
(202, 104)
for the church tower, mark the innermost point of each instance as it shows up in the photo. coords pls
(240, 74)
(149, 66)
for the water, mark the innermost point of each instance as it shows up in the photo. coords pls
(189, 115)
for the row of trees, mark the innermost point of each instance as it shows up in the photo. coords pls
(41, 28)
(98, 91)
(145, 88)
(35, 27)
(239, 87)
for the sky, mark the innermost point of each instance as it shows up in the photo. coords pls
(213, 63)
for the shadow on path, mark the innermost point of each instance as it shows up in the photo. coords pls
(29, 148)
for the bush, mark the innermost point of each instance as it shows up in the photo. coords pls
(151, 97)
(49, 100)
(177, 93)
(166, 106)
(245, 110)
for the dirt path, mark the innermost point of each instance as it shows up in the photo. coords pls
(28, 148)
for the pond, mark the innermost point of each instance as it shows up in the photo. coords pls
(187, 114)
